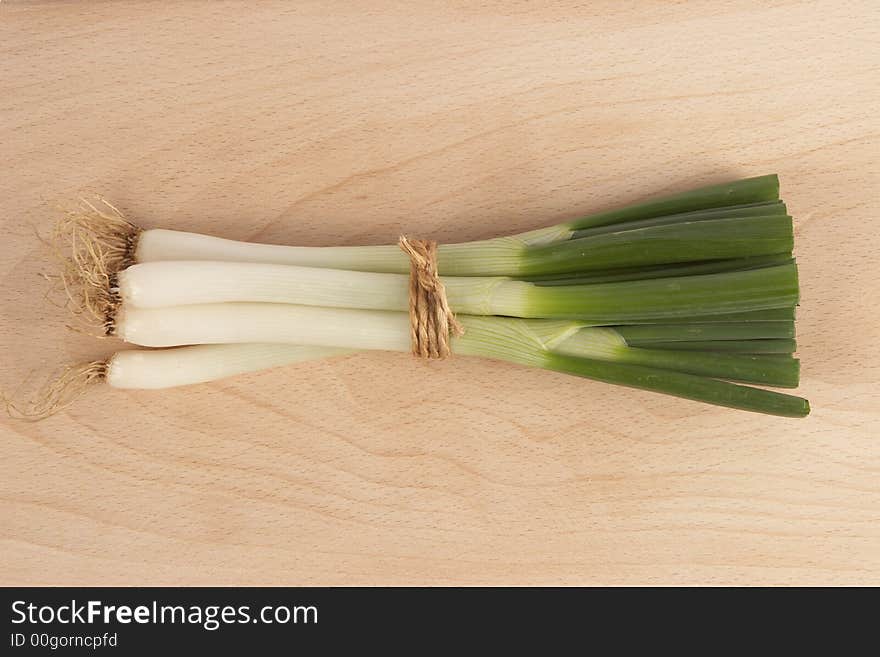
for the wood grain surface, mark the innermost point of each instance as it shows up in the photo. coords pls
(349, 123)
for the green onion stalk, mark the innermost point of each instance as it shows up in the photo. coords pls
(567, 346)
(748, 293)
(740, 219)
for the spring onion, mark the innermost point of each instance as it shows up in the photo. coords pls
(675, 217)
(540, 343)
(157, 284)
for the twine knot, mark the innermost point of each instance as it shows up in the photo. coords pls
(431, 319)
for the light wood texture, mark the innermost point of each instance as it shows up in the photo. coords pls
(349, 123)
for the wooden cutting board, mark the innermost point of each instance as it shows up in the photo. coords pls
(350, 123)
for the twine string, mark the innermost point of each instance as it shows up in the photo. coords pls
(431, 319)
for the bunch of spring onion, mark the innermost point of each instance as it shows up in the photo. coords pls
(691, 295)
